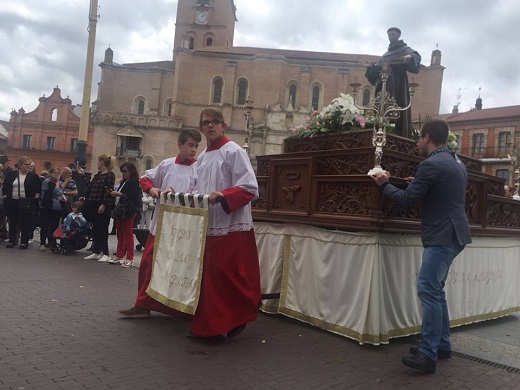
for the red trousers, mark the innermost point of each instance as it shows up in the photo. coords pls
(125, 237)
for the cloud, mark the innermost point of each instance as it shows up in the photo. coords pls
(44, 43)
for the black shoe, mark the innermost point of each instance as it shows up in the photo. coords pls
(9, 245)
(441, 354)
(23, 246)
(236, 331)
(420, 362)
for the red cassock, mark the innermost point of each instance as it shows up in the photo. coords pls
(230, 287)
(230, 290)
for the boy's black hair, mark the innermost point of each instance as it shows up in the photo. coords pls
(189, 133)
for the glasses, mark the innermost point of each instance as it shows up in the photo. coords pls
(124, 171)
(214, 122)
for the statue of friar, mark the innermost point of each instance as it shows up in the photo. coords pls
(399, 59)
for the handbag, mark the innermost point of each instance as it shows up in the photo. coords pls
(25, 204)
(119, 212)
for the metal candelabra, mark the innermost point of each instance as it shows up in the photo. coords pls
(249, 123)
(385, 109)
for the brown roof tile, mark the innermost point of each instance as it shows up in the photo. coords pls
(481, 115)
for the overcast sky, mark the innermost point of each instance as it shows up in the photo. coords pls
(43, 43)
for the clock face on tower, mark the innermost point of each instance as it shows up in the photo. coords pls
(201, 17)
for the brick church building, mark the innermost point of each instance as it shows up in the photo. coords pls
(141, 107)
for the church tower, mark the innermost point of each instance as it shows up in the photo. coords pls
(202, 23)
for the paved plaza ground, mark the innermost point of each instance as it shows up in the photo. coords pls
(59, 329)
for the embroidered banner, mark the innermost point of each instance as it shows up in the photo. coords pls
(179, 251)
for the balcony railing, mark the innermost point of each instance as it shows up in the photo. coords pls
(486, 152)
(123, 152)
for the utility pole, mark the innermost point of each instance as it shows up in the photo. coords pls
(87, 85)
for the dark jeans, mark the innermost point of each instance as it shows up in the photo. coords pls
(50, 220)
(3, 223)
(435, 327)
(20, 223)
(100, 224)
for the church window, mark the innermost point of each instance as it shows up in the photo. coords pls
(148, 163)
(292, 93)
(54, 115)
(209, 41)
(242, 92)
(191, 43)
(140, 105)
(217, 90)
(167, 107)
(315, 100)
(366, 97)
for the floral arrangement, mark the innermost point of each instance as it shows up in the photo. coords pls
(452, 142)
(339, 116)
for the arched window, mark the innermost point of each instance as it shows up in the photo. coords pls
(366, 97)
(149, 163)
(54, 115)
(209, 41)
(315, 99)
(292, 94)
(191, 43)
(241, 92)
(140, 105)
(167, 107)
(216, 96)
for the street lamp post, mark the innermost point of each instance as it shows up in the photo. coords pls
(87, 85)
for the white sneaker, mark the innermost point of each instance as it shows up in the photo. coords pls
(93, 256)
(104, 259)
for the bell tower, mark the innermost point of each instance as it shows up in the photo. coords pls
(202, 23)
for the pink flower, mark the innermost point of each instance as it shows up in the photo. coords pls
(361, 120)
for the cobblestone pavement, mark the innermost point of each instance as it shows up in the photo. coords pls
(59, 329)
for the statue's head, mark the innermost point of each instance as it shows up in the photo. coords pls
(393, 34)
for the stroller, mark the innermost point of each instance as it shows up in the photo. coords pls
(75, 239)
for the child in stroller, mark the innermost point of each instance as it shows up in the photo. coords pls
(75, 232)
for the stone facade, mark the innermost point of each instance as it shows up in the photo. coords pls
(48, 134)
(156, 100)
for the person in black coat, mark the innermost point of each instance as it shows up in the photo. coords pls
(21, 187)
(129, 195)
